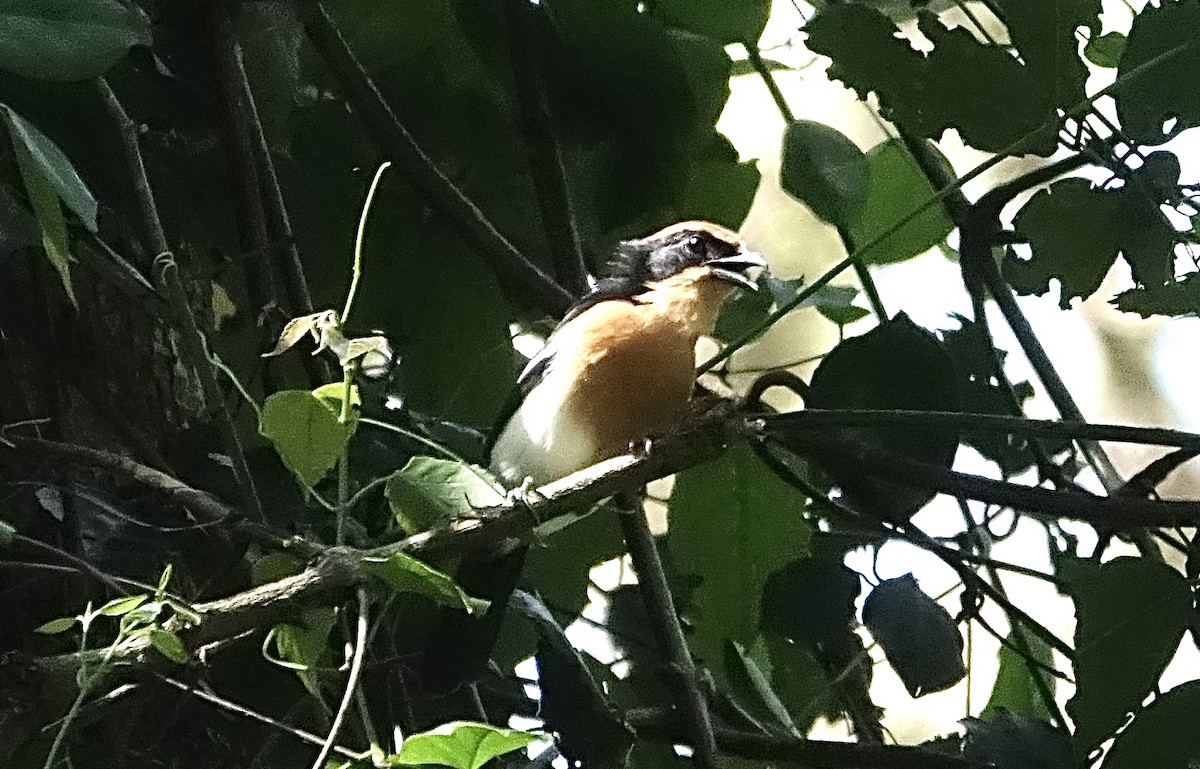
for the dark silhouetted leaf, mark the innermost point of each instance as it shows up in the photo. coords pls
(980, 393)
(824, 170)
(727, 21)
(1009, 741)
(1163, 735)
(1181, 298)
(810, 601)
(1156, 80)
(1130, 616)
(929, 93)
(733, 522)
(920, 639)
(894, 366)
(1076, 232)
(572, 703)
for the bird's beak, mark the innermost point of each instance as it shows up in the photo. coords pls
(733, 268)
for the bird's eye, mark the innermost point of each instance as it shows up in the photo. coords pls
(694, 245)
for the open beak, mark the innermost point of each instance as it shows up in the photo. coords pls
(733, 268)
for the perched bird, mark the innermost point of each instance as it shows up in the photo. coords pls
(621, 365)
(619, 369)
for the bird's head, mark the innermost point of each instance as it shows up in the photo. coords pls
(699, 251)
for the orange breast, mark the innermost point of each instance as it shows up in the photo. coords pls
(636, 379)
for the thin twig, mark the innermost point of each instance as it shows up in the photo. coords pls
(133, 157)
(860, 269)
(356, 271)
(1104, 513)
(254, 715)
(360, 650)
(77, 563)
(976, 243)
(1019, 643)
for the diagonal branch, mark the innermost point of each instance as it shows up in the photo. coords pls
(512, 268)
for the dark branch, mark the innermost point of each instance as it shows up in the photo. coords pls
(815, 754)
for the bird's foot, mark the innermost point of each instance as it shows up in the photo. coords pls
(524, 495)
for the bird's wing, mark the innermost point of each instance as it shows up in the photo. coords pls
(535, 370)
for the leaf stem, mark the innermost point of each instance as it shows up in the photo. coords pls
(356, 272)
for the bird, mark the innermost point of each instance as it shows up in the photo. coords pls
(618, 370)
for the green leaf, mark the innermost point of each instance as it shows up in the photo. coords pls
(746, 311)
(802, 684)
(144, 614)
(303, 645)
(121, 606)
(979, 393)
(1163, 50)
(733, 522)
(1131, 614)
(44, 171)
(1163, 734)
(1105, 50)
(824, 170)
(56, 626)
(305, 432)
(406, 574)
(895, 187)
(274, 566)
(68, 39)
(460, 745)
(1070, 227)
(726, 21)
(1016, 688)
(719, 191)
(427, 492)
(168, 644)
(752, 690)
(53, 166)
